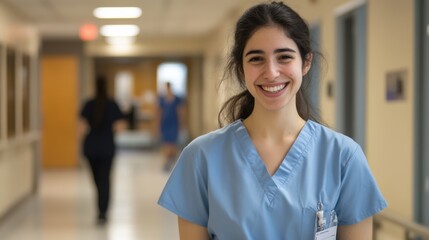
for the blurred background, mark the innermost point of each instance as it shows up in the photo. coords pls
(372, 85)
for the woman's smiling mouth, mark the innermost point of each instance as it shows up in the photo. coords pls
(273, 89)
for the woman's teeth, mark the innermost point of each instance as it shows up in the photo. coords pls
(273, 88)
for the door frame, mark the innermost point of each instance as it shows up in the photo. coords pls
(357, 9)
(314, 86)
(421, 118)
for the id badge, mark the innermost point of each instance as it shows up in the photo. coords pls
(326, 226)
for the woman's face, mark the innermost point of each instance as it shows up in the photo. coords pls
(273, 68)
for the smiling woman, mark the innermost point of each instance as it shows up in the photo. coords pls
(268, 165)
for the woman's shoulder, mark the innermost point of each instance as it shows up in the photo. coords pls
(112, 103)
(215, 137)
(91, 101)
(87, 104)
(111, 100)
(88, 101)
(335, 146)
(328, 136)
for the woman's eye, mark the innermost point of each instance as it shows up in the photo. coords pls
(285, 57)
(255, 59)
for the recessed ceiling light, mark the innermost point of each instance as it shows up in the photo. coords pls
(119, 30)
(117, 12)
(120, 40)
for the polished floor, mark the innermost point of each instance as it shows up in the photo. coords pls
(64, 206)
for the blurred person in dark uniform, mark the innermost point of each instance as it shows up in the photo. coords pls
(101, 118)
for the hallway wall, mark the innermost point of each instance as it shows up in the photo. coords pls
(19, 152)
(215, 54)
(390, 139)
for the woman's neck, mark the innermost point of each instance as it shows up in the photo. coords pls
(274, 124)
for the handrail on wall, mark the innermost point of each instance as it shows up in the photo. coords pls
(410, 227)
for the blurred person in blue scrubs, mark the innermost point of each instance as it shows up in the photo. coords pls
(101, 118)
(170, 112)
(273, 171)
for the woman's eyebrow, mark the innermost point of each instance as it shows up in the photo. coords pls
(254, 52)
(280, 50)
(284, 50)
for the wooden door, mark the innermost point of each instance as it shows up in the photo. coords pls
(59, 80)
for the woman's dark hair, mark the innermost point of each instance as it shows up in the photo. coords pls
(100, 103)
(241, 105)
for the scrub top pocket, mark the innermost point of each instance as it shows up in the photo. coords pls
(309, 222)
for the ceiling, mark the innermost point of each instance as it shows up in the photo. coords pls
(160, 18)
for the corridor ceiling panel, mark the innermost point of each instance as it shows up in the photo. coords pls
(160, 18)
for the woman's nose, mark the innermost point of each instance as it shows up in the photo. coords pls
(271, 70)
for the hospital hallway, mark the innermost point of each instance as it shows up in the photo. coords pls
(64, 206)
(366, 76)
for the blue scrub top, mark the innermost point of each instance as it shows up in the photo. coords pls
(220, 182)
(169, 123)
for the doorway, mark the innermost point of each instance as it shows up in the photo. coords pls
(351, 73)
(59, 78)
(174, 72)
(421, 130)
(314, 86)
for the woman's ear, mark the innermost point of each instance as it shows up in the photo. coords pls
(307, 64)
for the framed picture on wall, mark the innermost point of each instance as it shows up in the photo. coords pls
(395, 85)
(11, 92)
(25, 75)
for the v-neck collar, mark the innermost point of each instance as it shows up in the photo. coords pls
(292, 160)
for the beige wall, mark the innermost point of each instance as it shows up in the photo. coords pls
(215, 57)
(18, 154)
(390, 124)
(16, 33)
(148, 47)
(17, 174)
